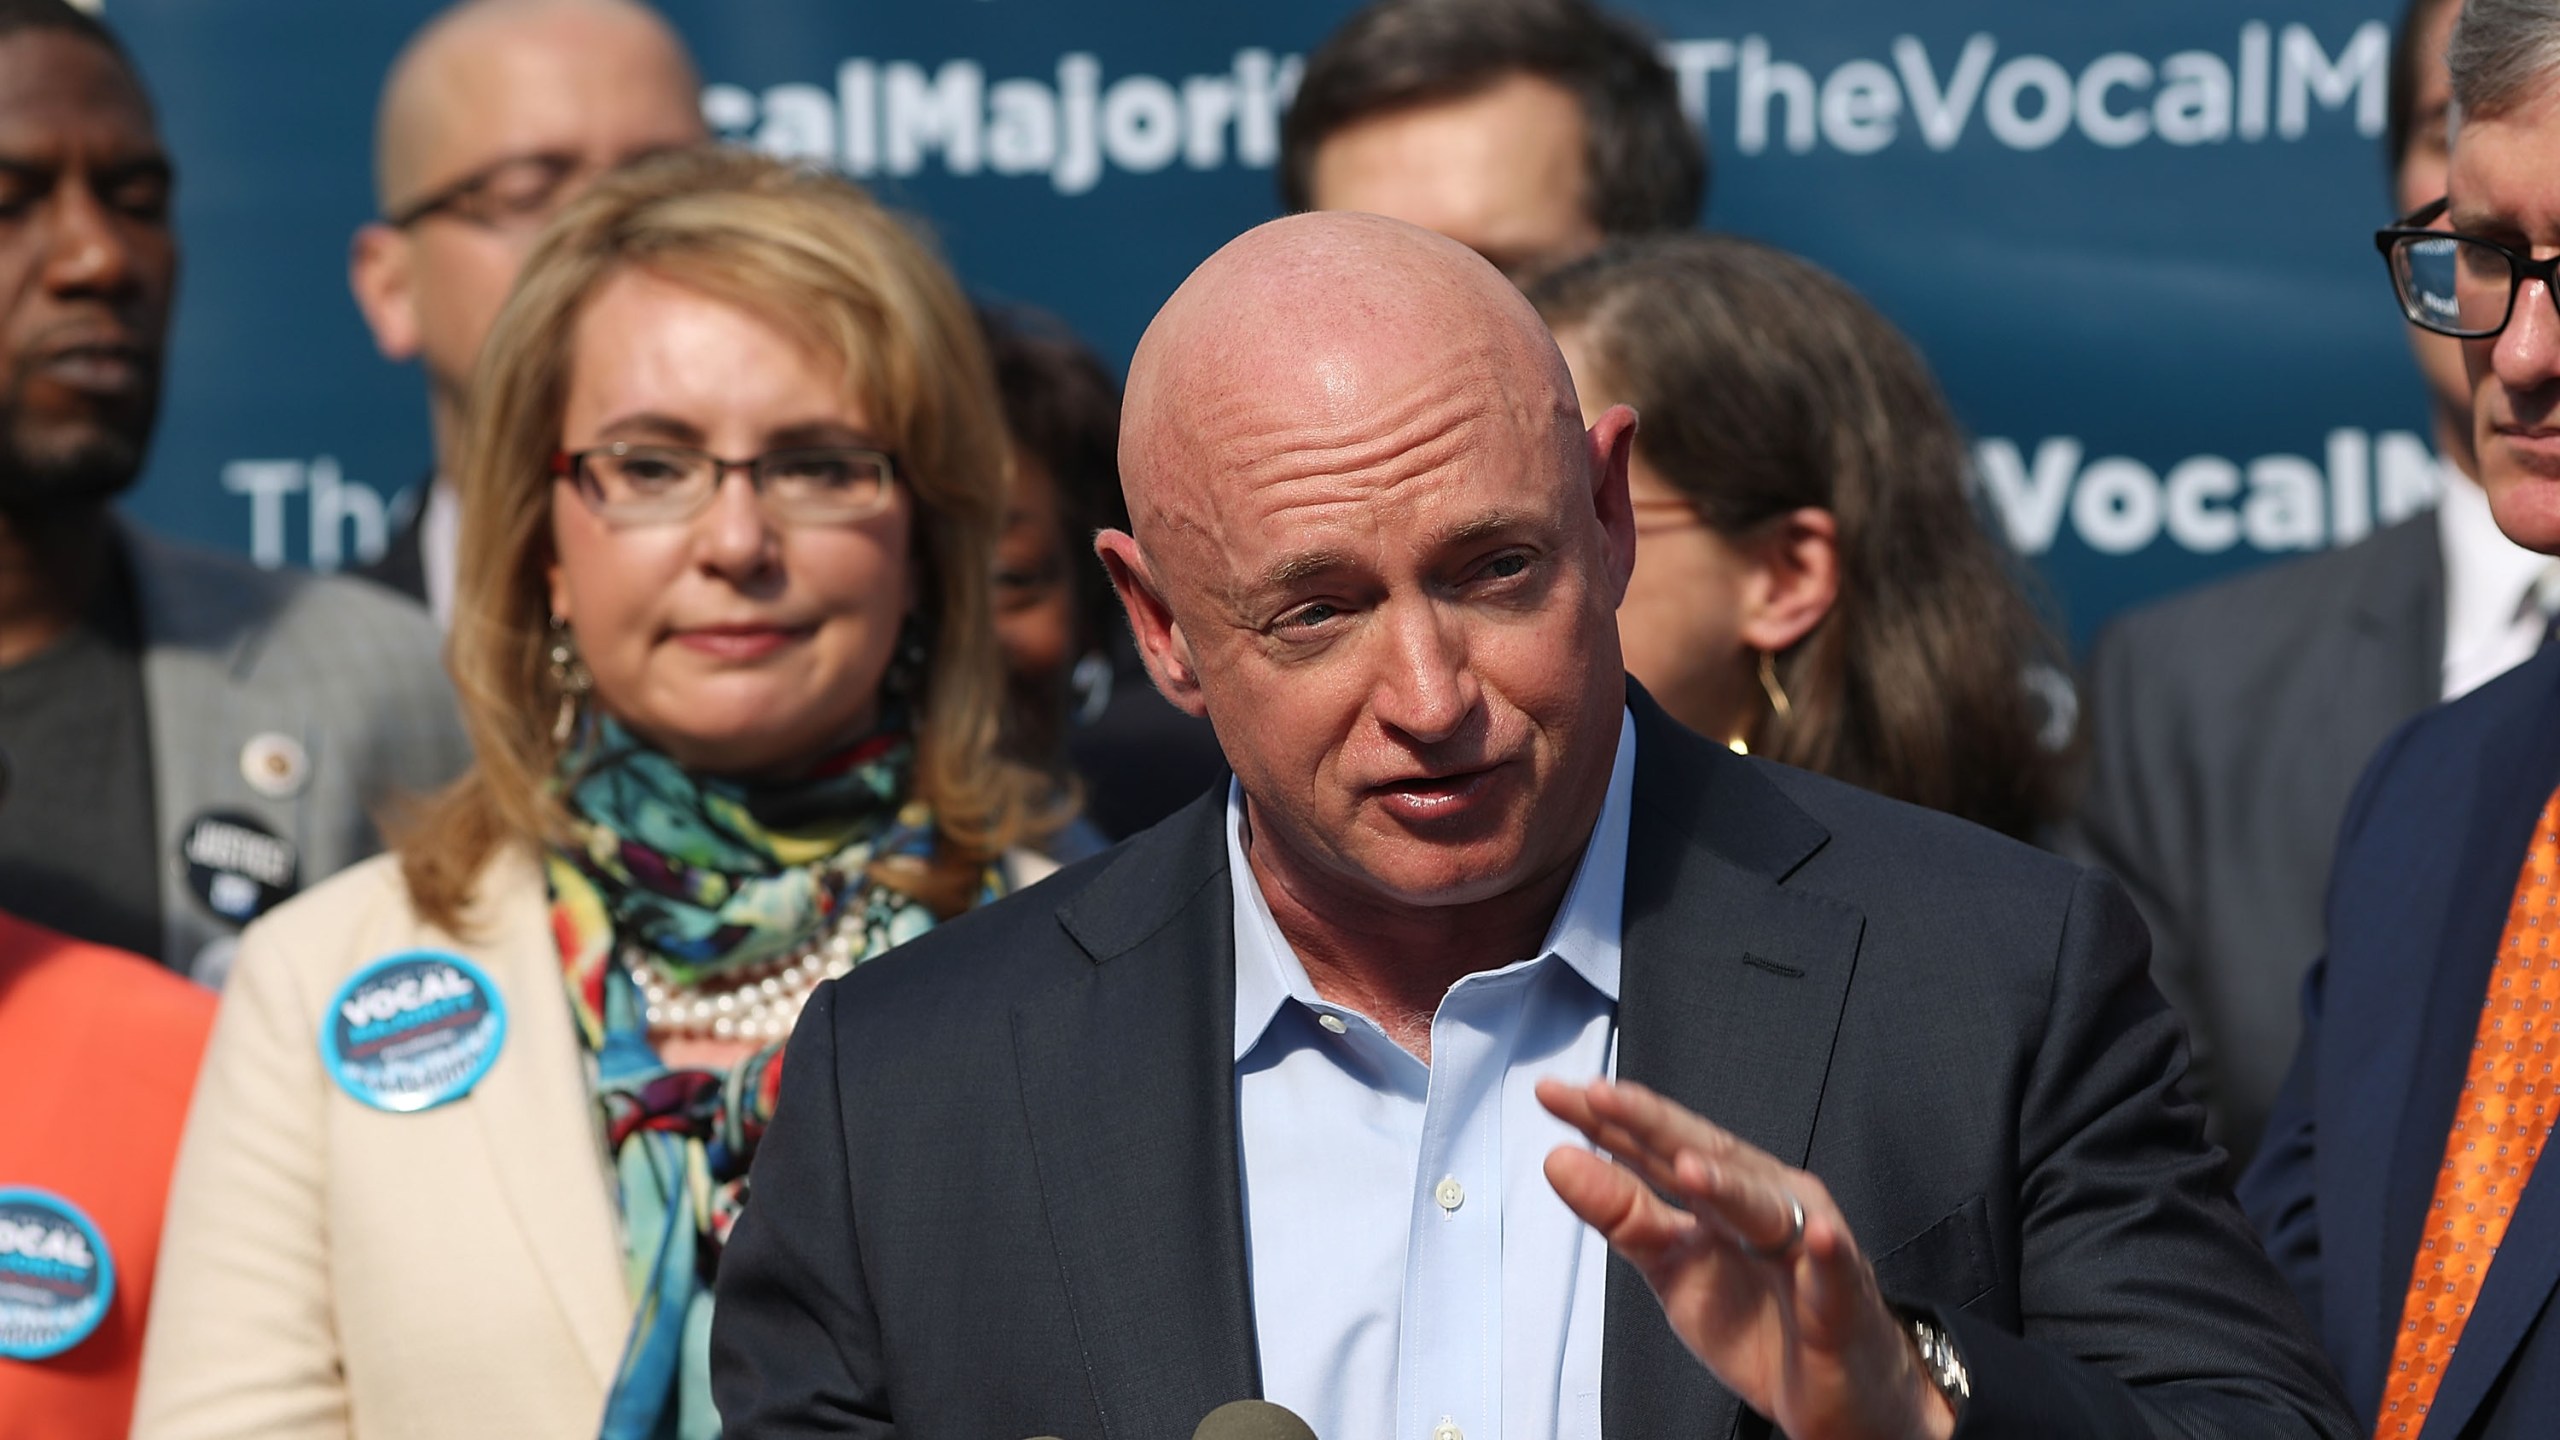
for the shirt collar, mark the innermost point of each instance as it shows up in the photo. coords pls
(2488, 578)
(1586, 935)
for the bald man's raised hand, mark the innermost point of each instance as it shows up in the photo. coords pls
(1790, 1321)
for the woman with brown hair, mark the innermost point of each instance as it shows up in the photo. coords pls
(476, 1118)
(1812, 581)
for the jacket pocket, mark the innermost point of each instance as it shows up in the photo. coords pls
(1947, 1264)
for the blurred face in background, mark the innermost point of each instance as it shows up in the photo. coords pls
(2505, 188)
(496, 118)
(1500, 171)
(1701, 607)
(737, 643)
(1035, 602)
(89, 264)
(1681, 623)
(2420, 181)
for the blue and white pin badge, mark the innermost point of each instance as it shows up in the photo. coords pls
(56, 1277)
(412, 1031)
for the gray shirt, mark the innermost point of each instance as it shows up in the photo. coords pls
(78, 837)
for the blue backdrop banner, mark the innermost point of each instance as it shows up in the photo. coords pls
(2132, 239)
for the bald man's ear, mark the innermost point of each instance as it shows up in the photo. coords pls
(1151, 621)
(1612, 442)
(381, 273)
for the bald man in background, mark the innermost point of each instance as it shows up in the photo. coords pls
(494, 116)
(1295, 1096)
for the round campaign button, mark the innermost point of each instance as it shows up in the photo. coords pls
(238, 867)
(56, 1277)
(413, 1030)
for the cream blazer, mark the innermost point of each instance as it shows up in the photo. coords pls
(330, 1271)
(333, 1270)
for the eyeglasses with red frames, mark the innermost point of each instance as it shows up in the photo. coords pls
(643, 484)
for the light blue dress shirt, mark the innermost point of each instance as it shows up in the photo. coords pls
(1414, 1276)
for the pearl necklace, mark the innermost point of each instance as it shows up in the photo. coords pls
(754, 1002)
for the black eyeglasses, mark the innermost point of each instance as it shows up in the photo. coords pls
(516, 192)
(630, 484)
(2458, 285)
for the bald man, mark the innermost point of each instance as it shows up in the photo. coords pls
(494, 116)
(1303, 1093)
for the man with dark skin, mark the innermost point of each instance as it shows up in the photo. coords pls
(89, 265)
(172, 721)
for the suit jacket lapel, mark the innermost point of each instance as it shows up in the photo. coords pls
(196, 640)
(1128, 1079)
(1729, 1003)
(2394, 621)
(538, 1122)
(2512, 1297)
(2399, 611)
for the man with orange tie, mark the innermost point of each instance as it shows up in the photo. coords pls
(2399, 1185)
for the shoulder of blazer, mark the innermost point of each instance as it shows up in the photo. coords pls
(199, 600)
(1080, 917)
(2390, 583)
(363, 913)
(2486, 729)
(1818, 836)
(238, 614)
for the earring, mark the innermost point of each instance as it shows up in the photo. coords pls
(904, 679)
(1089, 687)
(570, 677)
(1776, 692)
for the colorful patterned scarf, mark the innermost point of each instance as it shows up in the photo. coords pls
(705, 875)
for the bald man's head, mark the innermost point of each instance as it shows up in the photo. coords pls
(493, 117)
(1318, 318)
(499, 52)
(1375, 546)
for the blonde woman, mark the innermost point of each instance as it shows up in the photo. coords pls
(476, 1117)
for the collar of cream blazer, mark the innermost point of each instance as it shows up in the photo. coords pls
(538, 1116)
(536, 1109)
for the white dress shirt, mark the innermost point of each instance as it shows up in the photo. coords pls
(1414, 1275)
(439, 541)
(2493, 607)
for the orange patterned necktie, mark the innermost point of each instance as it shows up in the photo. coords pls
(2499, 1124)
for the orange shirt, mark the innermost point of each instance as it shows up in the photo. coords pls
(98, 1053)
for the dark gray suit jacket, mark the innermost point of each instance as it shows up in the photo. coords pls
(402, 565)
(1002, 1196)
(2228, 726)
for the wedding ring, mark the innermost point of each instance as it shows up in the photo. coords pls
(1785, 1249)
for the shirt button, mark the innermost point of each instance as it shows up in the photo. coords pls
(1451, 1195)
(1332, 1023)
(1447, 1430)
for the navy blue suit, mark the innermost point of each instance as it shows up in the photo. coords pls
(2425, 873)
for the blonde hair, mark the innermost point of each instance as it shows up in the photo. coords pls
(816, 257)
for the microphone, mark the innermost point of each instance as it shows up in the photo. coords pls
(1252, 1420)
